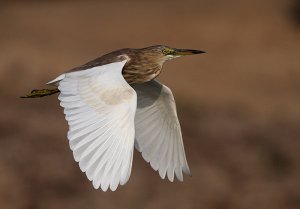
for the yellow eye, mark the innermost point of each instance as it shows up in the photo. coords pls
(167, 51)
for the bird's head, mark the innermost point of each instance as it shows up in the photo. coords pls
(162, 53)
(145, 64)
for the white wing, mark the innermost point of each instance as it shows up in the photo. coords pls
(100, 107)
(158, 134)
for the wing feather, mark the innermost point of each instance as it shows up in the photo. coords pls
(158, 133)
(100, 106)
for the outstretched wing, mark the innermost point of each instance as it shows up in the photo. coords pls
(158, 133)
(100, 107)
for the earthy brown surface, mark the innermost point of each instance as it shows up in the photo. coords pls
(239, 104)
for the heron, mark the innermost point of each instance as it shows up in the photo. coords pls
(114, 104)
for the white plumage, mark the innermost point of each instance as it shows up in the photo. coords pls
(158, 134)
(107, 116)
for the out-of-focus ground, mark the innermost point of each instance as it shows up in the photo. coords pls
(239, 104)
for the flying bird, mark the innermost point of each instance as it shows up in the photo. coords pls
(113, 104)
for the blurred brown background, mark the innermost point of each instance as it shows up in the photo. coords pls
(239, 104)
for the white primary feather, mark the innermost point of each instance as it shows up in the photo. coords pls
(100, 108)
(157, 130)
(59, 78)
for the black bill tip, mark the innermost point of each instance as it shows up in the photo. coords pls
(182, 52)
(197, 52)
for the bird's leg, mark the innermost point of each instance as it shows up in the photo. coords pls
(41, 93)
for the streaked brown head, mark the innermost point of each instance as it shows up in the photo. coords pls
(160, 53)
(145, 64)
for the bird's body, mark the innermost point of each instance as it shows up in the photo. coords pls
(142, 64)
(112, 104)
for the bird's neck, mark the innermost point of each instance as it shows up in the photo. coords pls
(141, 71)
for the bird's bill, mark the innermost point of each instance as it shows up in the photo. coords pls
(182, 52)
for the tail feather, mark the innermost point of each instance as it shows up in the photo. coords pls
(41, 93)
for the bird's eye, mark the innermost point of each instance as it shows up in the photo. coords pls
(166, 51)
